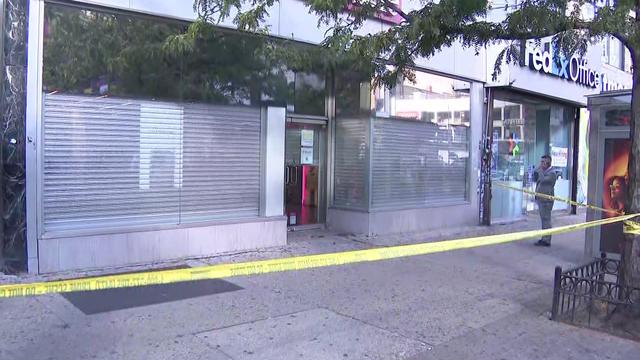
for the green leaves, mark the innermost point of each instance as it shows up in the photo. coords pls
(437, 25)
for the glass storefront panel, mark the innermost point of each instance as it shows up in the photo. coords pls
(117, 54)
(525, 129)
(144, 134)
(421, 149)
(304, 173)
(419, 135)
(351, 145)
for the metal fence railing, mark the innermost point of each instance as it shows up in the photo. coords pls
(578, 288)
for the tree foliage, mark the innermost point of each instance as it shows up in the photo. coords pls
(437, 25)
(104, 53)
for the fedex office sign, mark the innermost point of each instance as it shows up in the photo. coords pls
(574, 69)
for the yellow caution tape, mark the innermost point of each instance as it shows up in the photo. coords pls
(550, 197)
(631, 227)
(283, 264)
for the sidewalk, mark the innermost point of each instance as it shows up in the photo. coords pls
(308, 243)
(482, 303)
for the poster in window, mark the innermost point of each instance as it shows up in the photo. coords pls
(614, 192)
(306, 137)
(306, 155)
(559, 156)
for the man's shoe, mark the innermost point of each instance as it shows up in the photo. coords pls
(542, 243)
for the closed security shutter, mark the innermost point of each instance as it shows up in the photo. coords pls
(351, 163)
(119, 162)
(110, 162)
(221, 177)
(418, 163)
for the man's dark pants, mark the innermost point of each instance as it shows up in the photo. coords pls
(545, 208)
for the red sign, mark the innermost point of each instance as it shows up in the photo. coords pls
(385, 16)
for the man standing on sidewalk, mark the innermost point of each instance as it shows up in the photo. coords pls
(545, 178)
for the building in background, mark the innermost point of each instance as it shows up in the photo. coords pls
(535, 109)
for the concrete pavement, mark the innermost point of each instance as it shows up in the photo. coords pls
(483, 303)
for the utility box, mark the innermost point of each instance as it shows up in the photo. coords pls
(609, 147)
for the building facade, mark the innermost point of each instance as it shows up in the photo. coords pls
(135, 154)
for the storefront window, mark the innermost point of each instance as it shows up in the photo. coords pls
(115, 54)
(137, 133)
(525, 129)
(421, 149)
(351, 161)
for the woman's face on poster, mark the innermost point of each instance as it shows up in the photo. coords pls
(617, 189)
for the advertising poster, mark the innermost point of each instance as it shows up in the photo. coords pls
(306, 155)
(559, 156)
(306, 138)
(614, 192)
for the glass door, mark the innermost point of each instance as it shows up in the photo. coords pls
(511, 143)
(304, 191)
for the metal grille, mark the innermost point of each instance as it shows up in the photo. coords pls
(119, 162)
(221, 177)
(110, 162)
(351, 163)
(418, 163)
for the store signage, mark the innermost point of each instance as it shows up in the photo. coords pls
(513, 122)
(575, 69)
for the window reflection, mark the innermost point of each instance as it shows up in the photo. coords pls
(524, 129)
(432, 98)
(115, 54)
(421, 143)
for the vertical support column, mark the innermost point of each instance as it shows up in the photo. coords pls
(575, 132)
(474, 162)
(273, 150)
(14, 71)
(484, 200)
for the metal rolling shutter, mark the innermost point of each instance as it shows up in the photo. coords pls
(221, 177)
(418, 163)
(109, 162)
(351, 163)
(119, 162)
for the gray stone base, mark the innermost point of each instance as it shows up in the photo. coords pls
(403, 220)
(122, 249)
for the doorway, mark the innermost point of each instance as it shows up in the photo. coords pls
(305, 172)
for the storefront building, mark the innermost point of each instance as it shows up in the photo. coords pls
(133, 153)
(537, 108)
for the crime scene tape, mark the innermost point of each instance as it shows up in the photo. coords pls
(551, 197)
(629, 227)
(281, 264)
